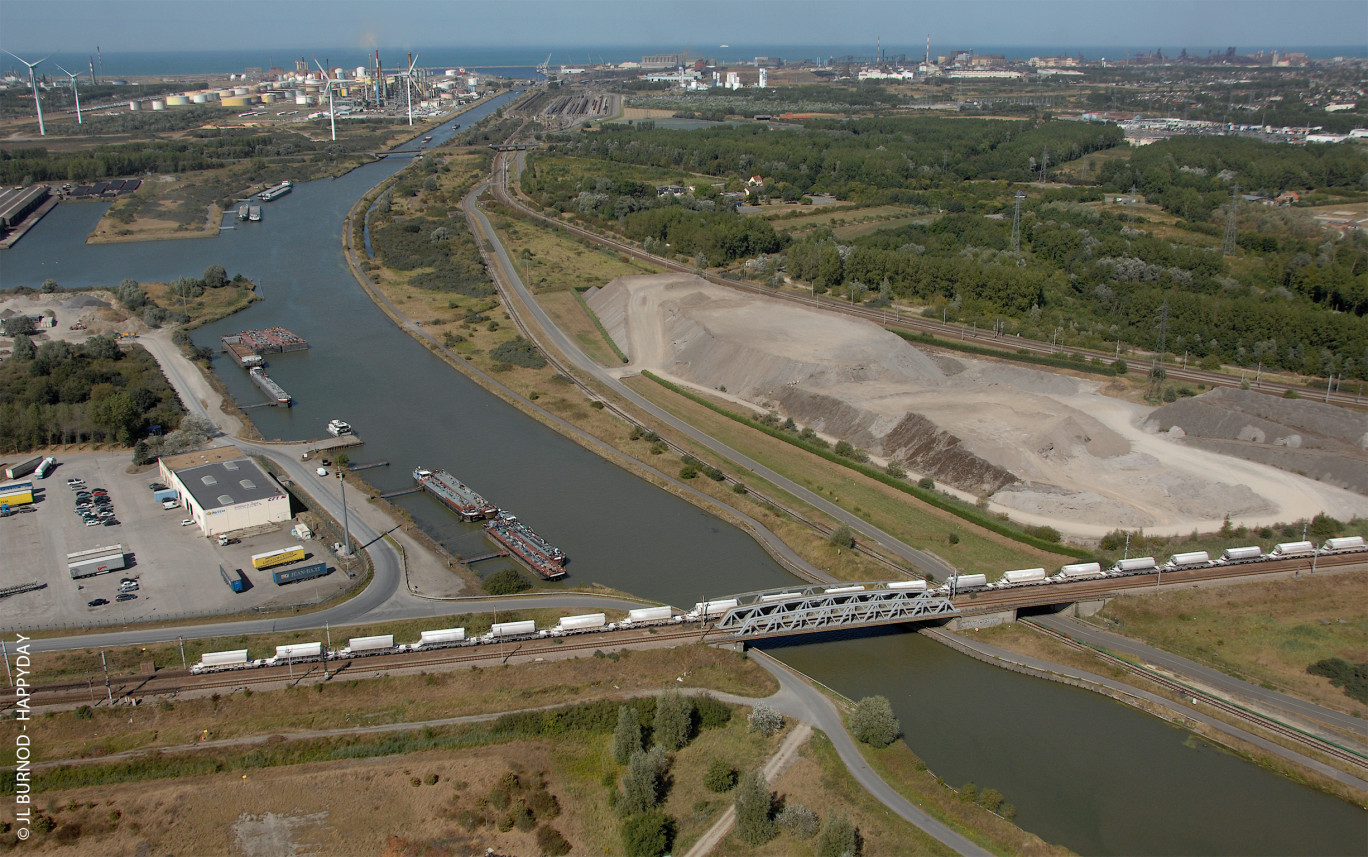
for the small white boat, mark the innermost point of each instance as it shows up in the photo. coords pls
(337, 428)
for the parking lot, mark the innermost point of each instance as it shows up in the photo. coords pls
(176, 567)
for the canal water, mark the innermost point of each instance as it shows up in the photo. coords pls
(1083, 771)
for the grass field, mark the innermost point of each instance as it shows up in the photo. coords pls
(1266, 633)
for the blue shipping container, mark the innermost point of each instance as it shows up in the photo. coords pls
(304, 572)
(166, 494)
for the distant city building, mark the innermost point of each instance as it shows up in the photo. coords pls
(769, 62)
(661, 61)
(764, 79)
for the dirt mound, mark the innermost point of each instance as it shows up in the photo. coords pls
(1321, 441)
(1047, 447)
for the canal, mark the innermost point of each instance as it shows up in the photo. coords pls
(1083, 771)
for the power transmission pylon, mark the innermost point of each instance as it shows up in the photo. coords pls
(1228, 243)
(1016, 223)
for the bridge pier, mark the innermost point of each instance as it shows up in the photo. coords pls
(1082, 609)
(982, 620)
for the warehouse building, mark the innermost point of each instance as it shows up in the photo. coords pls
(222, 491)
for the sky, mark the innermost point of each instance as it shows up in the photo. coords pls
(41, 26)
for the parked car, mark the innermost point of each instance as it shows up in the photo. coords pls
(111, 522)
(129, 586)
(105, 513)
(126, 596)
(97, 602)
(170, 504)
(187, 522)
(73, 482)
(92, 522)
(100, 492)
(155, 486)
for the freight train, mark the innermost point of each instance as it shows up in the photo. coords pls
(705, 611)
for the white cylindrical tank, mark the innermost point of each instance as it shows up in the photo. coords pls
(914, 585)
(1182, 560)
(836, 590)
(514, 629)
(268, 98)
(200, 98)
(442, 635)
(1025, 575)
(299, 650)
(780, 596)
(158, 104)
(370, 644)
(360, 72)
(1293, 548)
(177, 100)
(135, 105)
(1081, 569)
(580, 623)
(451, 72)
(1345, 543)
(1136, 563)
(969, 581)
(240, 90)
(303, 100)
(650, 614)
(220, 659)
(225, 93)
(1251, 552)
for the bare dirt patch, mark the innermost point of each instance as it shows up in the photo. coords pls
(1049, 449)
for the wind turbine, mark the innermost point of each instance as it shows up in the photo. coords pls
(76, 91)
(408, 78)
(34, 83)
(332, 117)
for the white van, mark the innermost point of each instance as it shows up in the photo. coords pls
(170, 504)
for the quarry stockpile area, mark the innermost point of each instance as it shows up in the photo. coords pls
(1047, 449)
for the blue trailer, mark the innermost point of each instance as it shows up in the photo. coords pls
(166, 494)
(303, 572)
(234, 579)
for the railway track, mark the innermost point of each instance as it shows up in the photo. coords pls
(915, 324)
(1355, 760)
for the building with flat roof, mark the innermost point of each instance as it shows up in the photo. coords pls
(223, 491)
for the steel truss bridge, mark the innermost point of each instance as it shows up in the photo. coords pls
(806, 610)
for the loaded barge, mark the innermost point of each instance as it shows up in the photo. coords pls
(536, 552)
(455, 494)
(274, 390)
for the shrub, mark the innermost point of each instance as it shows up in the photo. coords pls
(673, 720)
(798, 821)
(841, 537)
(872, 722)
(647, 834)
(765, 720)
(84, 712)
(720, 777)
(926, 483)
(753, 803)
(838, 837)
(518, 352)
(688, 471)
(551, 843)
(627, 735)
(710, 712)
(1351, 678)
(739, 488)
(506, 582)
(896, 470)
(643, 784)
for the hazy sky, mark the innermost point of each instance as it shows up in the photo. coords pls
(40, 26)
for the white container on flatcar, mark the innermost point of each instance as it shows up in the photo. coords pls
(780, 596)
(1135, 563)
(913, 585)
(968, 581)
(513, 629)
(649, 614)
(837, 590)
(298, 650)
(1293, 549)
(1239, 554)
(1025, 575)
(367, 645)
(581, 623)
(1081, 569)
(1345, 543)
(439, 637)
(221, 660)
(707, 609)
(1187, 560)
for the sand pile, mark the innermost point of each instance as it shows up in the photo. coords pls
(1048, 448)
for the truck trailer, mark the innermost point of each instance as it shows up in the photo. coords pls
(23, 468)
(304, 572)
(89, 563)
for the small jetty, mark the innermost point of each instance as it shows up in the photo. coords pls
(274, 390)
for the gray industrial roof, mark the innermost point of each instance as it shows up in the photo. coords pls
(227, 483)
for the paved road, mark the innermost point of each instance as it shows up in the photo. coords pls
(991, 653)
(920, 560)
(1093, 636)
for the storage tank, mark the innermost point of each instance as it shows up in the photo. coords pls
(1240, 554)
(369, 644)
(652, 614)
(1136, 563)
(1293, 548)
(240, 90)
(780, 596)
(913, 585)
(1081, 569)
(299, 650)
(1025, 575)
(200, 98)
(225, 93)
(580, 623)
(303, 100)
(234, 101)
(1186, 560)
(135, 106)
(1346, 543)
(268, 98)
(513, 629)
(177, 100)
(158, 104)
(223, 659)
(442, 635)
(969, 581)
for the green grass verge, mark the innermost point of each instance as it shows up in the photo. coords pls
(955, 507)
(984, 351)
(579, 296)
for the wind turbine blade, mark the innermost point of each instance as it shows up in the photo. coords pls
(21, 59)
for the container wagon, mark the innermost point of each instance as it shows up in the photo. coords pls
(512, 629)
(1188, 560)
(653, 614)
(1293, 549)
(1248, 554)
(95, 561)
(440, 638)
(1025, 575)
(1134, 565)
(910, 585)
(236, 659)
(780, 596)
(304, 572)
(234, 579)
(1079, 570)
(1347, 543)
(295, 652)
(837, 590)
(965, 582)
(360, 646)
(586, 622)
(706, 609)
(278, 557)
(23, 468)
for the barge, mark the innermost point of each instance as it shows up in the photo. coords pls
(274, 390)
(272, 193)
(455, 494)
(544, 558)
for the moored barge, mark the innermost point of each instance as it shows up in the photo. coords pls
(459, 497)
(535, 552)
(274, 390)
